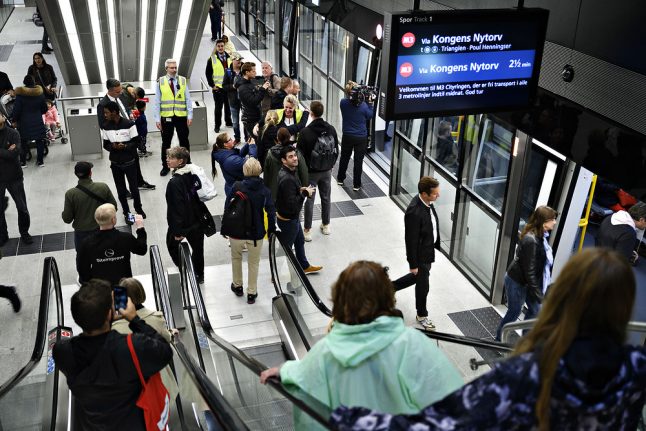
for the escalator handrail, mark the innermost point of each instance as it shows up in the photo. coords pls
(468, 341)
(188, 275)
(219, 406)
(214, 400)
(50, 271)
(301, 274)
(160, 286)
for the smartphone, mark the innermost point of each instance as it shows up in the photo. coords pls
(120, 297)
(131, 218)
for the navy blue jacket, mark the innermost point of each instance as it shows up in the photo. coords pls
(28, 112)
(355, 117)
(260, 197)
(231, 162)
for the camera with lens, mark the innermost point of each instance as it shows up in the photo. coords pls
(362, 93)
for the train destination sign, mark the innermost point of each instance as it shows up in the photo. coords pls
(460, 61)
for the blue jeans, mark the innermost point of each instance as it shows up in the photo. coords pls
(291, 234)
(516, 297)
(235, 119)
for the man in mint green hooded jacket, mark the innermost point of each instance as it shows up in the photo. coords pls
(370, 358)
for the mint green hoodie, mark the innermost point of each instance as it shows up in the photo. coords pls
(381, 365)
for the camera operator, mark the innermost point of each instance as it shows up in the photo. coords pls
(356, 110)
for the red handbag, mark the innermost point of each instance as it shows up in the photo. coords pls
(154, 399)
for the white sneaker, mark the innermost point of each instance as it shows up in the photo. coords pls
(308, 236)
(425, 323)
(325, 229)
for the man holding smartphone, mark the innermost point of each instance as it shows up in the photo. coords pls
(106, 253)
(289, 201)
(98, 364)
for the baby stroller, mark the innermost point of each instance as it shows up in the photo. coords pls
(56, 134)
(32, 144)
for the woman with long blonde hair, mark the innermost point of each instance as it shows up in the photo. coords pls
(572, 371)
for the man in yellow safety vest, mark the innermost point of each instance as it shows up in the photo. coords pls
(216, 69)
(173, 109)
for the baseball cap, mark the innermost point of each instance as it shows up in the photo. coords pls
(236, 56)
(83, 169)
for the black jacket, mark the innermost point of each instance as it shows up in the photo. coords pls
(123, 132)
(44, 77)
(419, 236)
(267, 141)
(289, 198)
(528, 265)
(250, 97)
(180, 213)
(106, 254)
(229, 84)
(309, 135)
(10, 169)
(619, 237)
(261, 202)
(103, 379)
(28, 112)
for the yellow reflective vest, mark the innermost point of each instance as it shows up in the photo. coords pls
(218, 69)
(298, 114)
(172, 104)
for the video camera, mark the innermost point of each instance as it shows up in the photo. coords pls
(362, 93)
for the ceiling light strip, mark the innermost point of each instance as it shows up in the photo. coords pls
(159, 29)
(113, 38)
(180, 35)
(96, 35)
(73, 37)
(143, 32)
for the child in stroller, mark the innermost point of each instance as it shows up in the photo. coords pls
(52, 121)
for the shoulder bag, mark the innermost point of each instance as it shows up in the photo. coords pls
(154, 399)
(91, 194)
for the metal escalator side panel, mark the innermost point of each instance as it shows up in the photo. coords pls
(56, 409)
(292, 329)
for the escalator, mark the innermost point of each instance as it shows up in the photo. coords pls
(232, 371)
(301, 318)
(36, 397)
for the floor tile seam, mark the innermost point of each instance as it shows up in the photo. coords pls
(482, 324)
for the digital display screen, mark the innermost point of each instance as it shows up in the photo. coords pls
(460, 61)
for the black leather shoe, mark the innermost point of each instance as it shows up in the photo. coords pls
(237, 290)
(251, 299)
(146, 186)
(164, 172)
(26, 238)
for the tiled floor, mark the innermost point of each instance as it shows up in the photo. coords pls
(365, 225)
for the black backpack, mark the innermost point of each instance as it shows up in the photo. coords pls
(324, 154)
(238, 219)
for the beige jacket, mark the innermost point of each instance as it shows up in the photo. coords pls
(154, 319)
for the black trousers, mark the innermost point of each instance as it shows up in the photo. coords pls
(195, 239)
(17, 191)
(350, 143)
(79, 237)
(168, 129)
(216, 23)
(120, 174)
(421, 286)
(221, 100)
